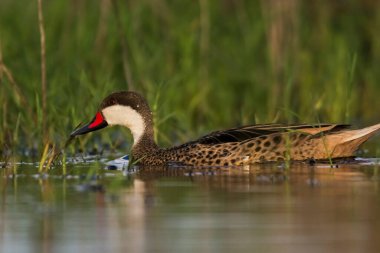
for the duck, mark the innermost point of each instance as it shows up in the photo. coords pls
(260, 143)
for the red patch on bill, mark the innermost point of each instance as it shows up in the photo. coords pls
(98, 120)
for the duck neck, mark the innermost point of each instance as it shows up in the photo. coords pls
(144, 144)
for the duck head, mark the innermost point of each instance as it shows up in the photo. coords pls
(123, 108)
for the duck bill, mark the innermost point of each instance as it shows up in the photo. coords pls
(98, 122)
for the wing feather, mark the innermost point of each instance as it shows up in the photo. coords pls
(253, 131)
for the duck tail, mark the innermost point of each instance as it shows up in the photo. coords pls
(361, 134)
(347, 142)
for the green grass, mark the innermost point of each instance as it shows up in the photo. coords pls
(202, 68)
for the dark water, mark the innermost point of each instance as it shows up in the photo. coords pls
(255, 209)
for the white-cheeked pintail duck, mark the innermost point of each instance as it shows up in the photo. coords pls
(231, 147)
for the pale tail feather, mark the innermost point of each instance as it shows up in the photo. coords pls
(364, 133)
(345, 143)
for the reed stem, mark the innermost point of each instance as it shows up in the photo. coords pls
(126, 55)
(43, 70)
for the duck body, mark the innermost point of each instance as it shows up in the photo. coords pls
(231, 147)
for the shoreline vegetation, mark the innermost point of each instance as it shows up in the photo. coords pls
(203, 65)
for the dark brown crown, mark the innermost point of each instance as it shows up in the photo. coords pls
(128, 98)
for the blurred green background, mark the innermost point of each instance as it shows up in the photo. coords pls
(203, 65)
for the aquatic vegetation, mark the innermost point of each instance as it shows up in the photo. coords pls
(214, 66)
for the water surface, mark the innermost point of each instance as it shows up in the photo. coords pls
(252, 209)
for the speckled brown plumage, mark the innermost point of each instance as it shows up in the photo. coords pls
(283, 144)
(243, 145)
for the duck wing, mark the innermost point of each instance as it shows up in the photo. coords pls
(245, 133)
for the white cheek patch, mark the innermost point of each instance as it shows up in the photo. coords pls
(125, 116)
